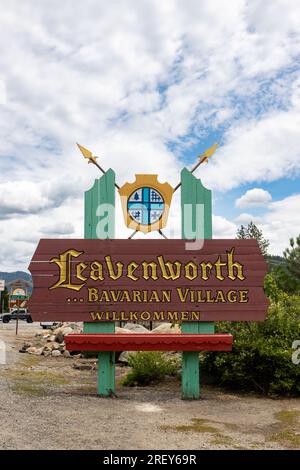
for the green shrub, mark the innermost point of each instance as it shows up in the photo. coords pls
(148, 367)
(261, 358)
(90, 354)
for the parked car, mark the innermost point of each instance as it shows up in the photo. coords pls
(48, 324)
(22, 314)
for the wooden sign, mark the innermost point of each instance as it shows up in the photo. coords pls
(147, 280)
(18, 293)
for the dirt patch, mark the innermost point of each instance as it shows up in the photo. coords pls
(47, 404)
(287, 429)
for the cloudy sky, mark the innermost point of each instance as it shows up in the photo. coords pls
(147, 85)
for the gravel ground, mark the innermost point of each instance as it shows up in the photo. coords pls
(47, 404)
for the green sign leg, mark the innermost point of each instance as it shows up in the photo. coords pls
(196, 197)
(106, 360)
(190, 383)
(106, 373)
(99, 204)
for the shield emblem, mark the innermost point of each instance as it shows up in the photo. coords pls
(146, 203)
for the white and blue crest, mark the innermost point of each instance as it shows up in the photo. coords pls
(146, 205)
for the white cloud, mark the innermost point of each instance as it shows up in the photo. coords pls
(29, 197)
(254, 197)
(133, 84)
(246, 218)
(3, 95)
(263, 150)
(282, 222)
(21, 197)
(223, 228)
(279, 223)
(65, 228)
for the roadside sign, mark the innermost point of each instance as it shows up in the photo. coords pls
(19, 297)
(221, 282)
(18, 292)
(2, 285)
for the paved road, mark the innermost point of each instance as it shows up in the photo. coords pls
(23, 326)
(9, 340)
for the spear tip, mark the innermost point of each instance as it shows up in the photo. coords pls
(86, 153)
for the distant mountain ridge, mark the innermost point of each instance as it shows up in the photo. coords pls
(275, 261)
(8, 277)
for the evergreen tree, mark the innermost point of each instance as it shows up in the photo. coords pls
(252, 231)
(288, 278)
(4, 300)
(292, 258)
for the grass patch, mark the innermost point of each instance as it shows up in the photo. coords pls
(288, 420)
(28, 389)
(192, 428)
(203, 425)
(222, 440)
(286, 437)
(33, 382)
(231, 426)
(288, 417)
(197, 426)
(199, 420)
(36, 376)
(255, 445)
(29, 360)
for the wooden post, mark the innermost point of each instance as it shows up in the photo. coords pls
(101, 194)
(106, 359)
(17, 320)
(193, 193)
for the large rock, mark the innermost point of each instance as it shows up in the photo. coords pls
(55, 353)
(166, 328)
(35, 351)
(75, 326)
(53, 345)
(67, 330)
(123, 358)
(47, 352)
(25, 347)
(57, 331)
(59, 337)
(46, 342)
(64, 330)
(84, 366)
(122, 331)
(136, 328)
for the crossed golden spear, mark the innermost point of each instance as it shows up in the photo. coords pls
(203, 158)
(92, 159)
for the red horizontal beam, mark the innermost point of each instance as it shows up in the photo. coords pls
(148, 342)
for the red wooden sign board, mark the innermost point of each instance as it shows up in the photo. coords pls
(147, 280)
(148, 342)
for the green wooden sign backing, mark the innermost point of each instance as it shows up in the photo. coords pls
(97, 202)
(195, 204)
(196, 209)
